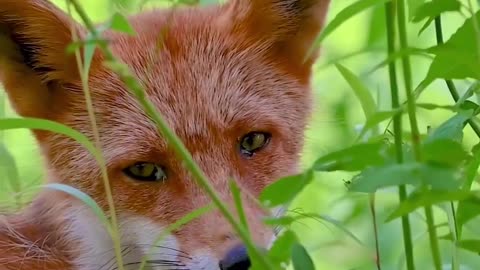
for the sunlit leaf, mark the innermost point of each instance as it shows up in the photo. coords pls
(237, 198)
(288, 220)
(459, 57)
(413, 6)
(354, 158)
(465, 106)
(285, 189)
(301, 259)
(372, 179)
(422, 198)
(470, 245)
(466, 211)
(8, 165)
(452, 129)
(120, 23)
(444, 151)
(360, 90)
(345, 15)
(472, 168)
(41, 124)
(377, 118)
(281, 248)
(434, 8)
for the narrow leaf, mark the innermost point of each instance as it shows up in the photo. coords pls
(281, 248)
(372, 179)
(459, 57)
(470, 245)
(467, 210)
(422, 198)
(452, 129)
(300, 258)
(360, 90)
(285, 189)
(376, 119)
(354, 158)
(237, 198)
(434, 8)
(120, 23)
(445, 152)
(344, 15)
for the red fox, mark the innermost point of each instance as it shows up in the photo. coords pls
(232, 80)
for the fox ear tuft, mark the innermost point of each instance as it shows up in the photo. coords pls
(34, 35)
(289, 26)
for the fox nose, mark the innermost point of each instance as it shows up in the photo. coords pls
(236, 259)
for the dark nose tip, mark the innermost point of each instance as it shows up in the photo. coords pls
(236, 259)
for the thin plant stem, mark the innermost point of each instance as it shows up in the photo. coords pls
(397, 129)
(454, 93)
(450, 85)
(137, 89)
(416, 143)
(114, 231)
(378, 260)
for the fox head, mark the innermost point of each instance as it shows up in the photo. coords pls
(232, 81)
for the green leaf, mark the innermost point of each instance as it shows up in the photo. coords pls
(426, 25)
(285, 189)
(354, 158)
(470, 91)
(445, 152)
(467, 210)
(237, 198)
(87, 57)
(452, 129)
(300, 258)
(464, 106)
(41, 124)
(8, 165)
(120, 23)
(472, 168)
(422, 198)
(434, 8)
(413, 6)
(398, 55)
(372, 179)
(376, 29)
(288, 220)
(377, 118)
(281, 249)
(343, 16)
(470, 245)
(459, 57)
(360, 90)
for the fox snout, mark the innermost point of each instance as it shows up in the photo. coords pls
(235, 259)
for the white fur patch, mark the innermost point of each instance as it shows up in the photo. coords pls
(138, 235)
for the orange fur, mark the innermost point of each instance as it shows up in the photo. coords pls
(221, 72)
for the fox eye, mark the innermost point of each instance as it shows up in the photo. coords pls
(144, 171)
(253, 142)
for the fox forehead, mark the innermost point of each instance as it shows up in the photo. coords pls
(201, 76)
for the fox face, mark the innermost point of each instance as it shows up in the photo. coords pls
(232, 81)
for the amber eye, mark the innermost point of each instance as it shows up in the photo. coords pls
(144, 171)
(252, 142)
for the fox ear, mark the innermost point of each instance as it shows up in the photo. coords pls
(289, 27)
(34, 35)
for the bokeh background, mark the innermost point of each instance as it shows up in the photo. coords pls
(359, 44)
